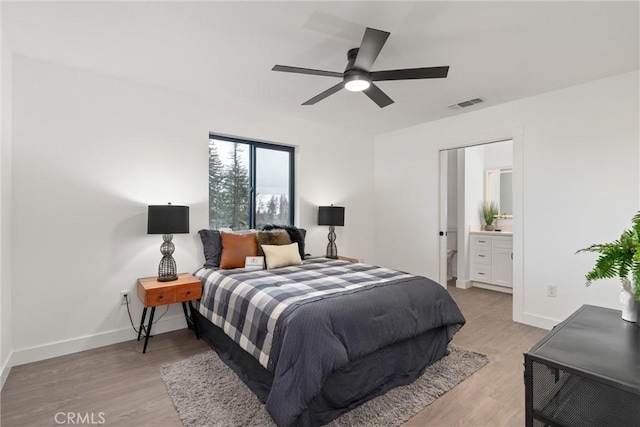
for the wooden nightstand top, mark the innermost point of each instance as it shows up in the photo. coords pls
(153, 293)
(152, 282)
(346, 258)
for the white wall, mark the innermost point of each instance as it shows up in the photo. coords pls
(90, 152)
(5, 211)
(452, 190)
(576, 157)
(498, 155)
(474, 166)
(471, 188)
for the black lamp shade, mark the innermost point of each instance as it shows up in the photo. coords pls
(168, 219)
(331, 215)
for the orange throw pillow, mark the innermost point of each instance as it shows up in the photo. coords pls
(236, 248)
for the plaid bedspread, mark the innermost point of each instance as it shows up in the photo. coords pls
(248, 304)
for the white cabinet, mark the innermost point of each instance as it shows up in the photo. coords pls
(491, 259)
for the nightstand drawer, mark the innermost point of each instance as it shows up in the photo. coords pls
(189, 292)
(159, 296)
(153, 293)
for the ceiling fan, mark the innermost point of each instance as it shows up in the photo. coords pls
(358, 77)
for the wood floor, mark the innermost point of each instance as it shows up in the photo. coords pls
(493, 396)
(124, 384)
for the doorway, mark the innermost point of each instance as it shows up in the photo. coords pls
(471, 176)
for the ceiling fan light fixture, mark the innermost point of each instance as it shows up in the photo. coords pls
(356, 83)
(358, 77)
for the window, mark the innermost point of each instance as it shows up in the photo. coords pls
(250, 183)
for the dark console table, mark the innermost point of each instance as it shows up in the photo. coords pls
(585, 372)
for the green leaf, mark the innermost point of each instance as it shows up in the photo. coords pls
(488, 211)
(620, 258)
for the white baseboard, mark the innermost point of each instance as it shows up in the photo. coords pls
(5, 371)
(539, 321)
(75, 345)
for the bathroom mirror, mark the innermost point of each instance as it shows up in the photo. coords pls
(499, 188)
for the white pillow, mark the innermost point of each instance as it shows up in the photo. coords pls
(281, 255)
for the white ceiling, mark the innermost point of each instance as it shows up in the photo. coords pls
(500, 51)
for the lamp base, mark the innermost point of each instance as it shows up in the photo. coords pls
(167, 278)
(332, 249)
(167, 270)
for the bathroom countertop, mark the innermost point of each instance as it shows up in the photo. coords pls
(493, 233)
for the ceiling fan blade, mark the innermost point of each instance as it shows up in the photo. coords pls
(299, 70)
(370, 47)
(410, 73)
(378, 96)
(325, 94)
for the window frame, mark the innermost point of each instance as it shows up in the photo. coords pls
(253, 146)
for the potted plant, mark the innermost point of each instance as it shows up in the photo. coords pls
(621, 258)
(488, 212)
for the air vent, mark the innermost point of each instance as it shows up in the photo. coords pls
(465, 104)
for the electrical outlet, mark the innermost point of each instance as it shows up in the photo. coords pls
(552, 291)
(124, 296)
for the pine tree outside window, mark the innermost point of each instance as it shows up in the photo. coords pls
(251, 183)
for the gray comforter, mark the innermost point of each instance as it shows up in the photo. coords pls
(315, 336)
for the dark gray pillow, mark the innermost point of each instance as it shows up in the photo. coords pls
(212, 245)
(297, 235)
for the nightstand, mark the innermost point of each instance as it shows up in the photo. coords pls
(153, 294)
(346, 258)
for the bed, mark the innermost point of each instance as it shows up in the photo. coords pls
(313, 341)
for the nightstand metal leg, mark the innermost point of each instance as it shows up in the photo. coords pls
(188, 316)
(193, 321)
(144, 315)
(148, 330)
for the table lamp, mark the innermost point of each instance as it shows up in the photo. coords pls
(167, 220)
(332, 216)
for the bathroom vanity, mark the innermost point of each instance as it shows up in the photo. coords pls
(491, 260)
